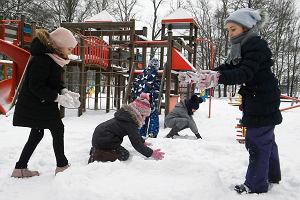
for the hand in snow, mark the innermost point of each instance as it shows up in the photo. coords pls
(157, 154)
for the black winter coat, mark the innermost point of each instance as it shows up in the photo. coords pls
(35, 106)
(110, 134)
(260, 92)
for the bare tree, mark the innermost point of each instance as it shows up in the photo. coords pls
(174, 5)
(124, 9)
(9, 8)
(155, 25)
(101, 5)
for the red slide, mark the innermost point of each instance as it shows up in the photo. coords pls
(8, 87)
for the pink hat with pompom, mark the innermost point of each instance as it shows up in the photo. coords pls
(142, 104)
(62, 37)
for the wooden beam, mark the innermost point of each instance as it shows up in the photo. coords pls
(131, 65)
(111, 32)
(102, 25)
(176, 37)
(168, 72)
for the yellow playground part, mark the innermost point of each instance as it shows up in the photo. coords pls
(235, 101)
(91, 91)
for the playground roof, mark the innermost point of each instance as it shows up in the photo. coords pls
(103, 16)
(180, 19)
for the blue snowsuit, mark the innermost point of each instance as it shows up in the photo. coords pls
(148, 82)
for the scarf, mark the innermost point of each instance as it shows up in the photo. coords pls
(59, 60)
(234, 55)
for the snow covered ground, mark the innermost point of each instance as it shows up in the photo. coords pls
(192, 169)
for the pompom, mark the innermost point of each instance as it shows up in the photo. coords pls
(144, 95)
(264, 18)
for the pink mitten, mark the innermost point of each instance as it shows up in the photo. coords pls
(157, 154)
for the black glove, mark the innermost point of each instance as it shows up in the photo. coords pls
(198, 136)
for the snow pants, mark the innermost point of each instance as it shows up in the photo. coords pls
(264, 166)
(151, 126)
(111, 155)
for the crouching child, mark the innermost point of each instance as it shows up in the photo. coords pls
(181, 117)
(108, 136)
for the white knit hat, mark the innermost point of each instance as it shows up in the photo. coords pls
(62, 37)
(248, 17)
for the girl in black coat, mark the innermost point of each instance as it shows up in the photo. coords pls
(249, 64)
(108, 136)
(42, 90)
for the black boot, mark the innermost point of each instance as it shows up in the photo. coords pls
(242, 189)
(172, 133)
(123, 154)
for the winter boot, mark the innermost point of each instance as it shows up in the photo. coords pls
(24, 173)
(172, 133)
(242, 189)
(61, 169)
(123, 154)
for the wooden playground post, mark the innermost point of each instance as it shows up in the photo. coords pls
(33, 29)
(81, 78)
(22, 24)
(195, 48)
(190, 41)
(131, 66)
(118, 95)
(97, 88)
(168, 70)
(108, 77)
(163, 27)
(2, 28)
(144, 49)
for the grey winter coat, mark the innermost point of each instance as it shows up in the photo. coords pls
(180, 119)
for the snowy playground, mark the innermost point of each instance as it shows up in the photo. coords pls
(192, 169)
(109, 68)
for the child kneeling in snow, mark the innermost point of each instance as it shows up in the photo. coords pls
(108, 136)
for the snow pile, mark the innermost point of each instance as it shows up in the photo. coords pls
(191, 170)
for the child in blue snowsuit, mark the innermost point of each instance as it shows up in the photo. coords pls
(249, 63)
(148, 82)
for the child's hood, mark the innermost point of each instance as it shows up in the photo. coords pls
(123, 115)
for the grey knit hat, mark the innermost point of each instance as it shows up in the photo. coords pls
(248, 18)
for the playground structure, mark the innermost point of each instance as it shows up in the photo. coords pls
(15, 36)
(108, 56)
(237, 101)
(292, 100)
(240, 129)
(128, 52)
(8, 86)
(17, 31)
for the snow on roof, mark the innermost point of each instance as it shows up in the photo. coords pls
(180, 13)
(103, 16)
(6, 62)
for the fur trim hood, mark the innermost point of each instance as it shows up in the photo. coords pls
(133, 114)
